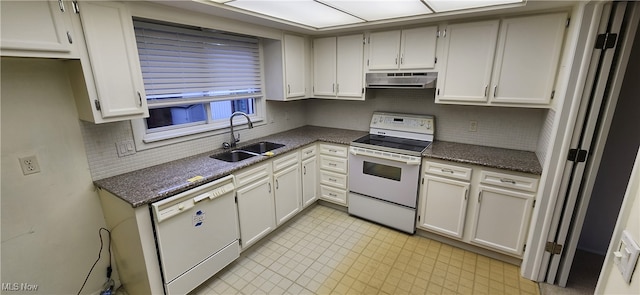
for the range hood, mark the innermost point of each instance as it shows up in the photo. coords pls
(402, 80)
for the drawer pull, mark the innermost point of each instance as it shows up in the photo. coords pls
(309, 152)
(333, 195)
(445, 170)
(333, 179)
(333, 151)
(333, 164)
(507, 180)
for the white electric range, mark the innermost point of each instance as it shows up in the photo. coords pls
(384, 169)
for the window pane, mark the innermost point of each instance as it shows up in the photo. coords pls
(224, 109)
(176, 115)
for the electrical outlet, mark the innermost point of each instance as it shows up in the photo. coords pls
(473, 126)
(29, 165)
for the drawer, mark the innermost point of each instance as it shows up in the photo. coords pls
(447, 170)
(333, 164)
(529, 184)
(286, 160)
(333, 194)
(249, 175)
(333, 179)
(309, 151)
(334, 150)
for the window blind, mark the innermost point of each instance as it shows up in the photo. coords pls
(183, 65)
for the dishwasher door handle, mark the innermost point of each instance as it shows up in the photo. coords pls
(202, 197)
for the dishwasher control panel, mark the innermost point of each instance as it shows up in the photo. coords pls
(182, 202)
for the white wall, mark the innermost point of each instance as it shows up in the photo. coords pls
(50, 220)
(610, 280)
(513, 128)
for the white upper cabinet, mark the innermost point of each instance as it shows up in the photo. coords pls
(286, 63)
(418, 48)
(528, 54)
(467, 59)
(407, 49)
(36, 29)
(338, 67)
(512, 62)
(108, 86)
(294, 64)
(384, 50)
(324, 66)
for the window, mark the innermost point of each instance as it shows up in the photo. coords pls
(196, 78)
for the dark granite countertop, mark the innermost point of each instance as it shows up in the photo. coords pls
(155, 183)
(514, 160)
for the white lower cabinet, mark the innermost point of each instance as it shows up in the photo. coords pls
(333, 173)
(444, 205)
(501, 219)
(255, 198)
(309, 175)
(486, 207)
(288, 188)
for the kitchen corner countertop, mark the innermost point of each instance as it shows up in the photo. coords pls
(158, 182)
(155, 183)
(514, 160)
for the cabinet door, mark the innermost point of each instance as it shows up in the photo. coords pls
(255, 211)
(443, 205)
(309, 181)
(35, 28)
(418, 47)
(349, 66)
(467, 58)
(287, 193)
(111, 46)
(383, 50)
(501, 219)
(527, 58)
(324, 66)
(294, 64)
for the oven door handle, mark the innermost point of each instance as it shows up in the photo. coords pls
(409, 160)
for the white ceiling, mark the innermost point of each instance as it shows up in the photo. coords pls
(375, 17)
(323, 14)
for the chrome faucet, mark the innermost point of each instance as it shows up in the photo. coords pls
(234, 139)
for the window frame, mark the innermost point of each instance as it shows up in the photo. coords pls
(144, 139)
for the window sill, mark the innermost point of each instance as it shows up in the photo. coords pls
(145, 141)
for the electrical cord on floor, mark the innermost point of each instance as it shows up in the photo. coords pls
(109, 269)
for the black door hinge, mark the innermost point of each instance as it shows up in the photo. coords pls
(97, 103)
(606, 41)
(553, 248)
(577, 155)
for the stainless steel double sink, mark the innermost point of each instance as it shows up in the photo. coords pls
(250, 151)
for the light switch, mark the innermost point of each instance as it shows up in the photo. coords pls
(125, 148)
(626, 256)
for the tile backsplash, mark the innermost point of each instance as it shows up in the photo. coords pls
(100, 141)
(512, 128)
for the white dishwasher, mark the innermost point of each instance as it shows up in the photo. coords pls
(196, 234)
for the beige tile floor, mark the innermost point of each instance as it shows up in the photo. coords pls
(326, 251)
